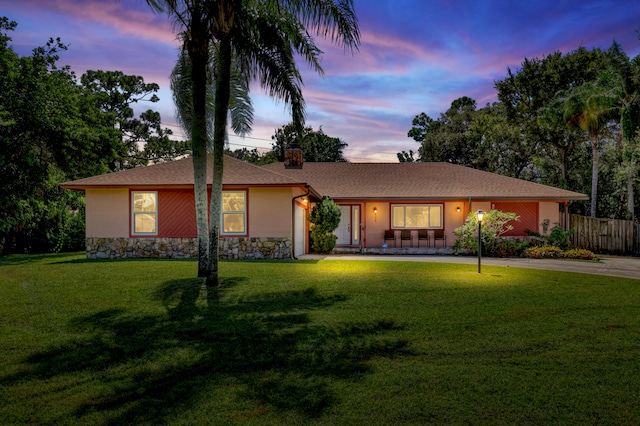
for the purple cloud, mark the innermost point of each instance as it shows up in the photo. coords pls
(415, 56)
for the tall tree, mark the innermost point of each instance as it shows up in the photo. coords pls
(527, 92)
(141, 139)
(421, 123)
(264, 37)
(623, 78)
(591, 107)
(50, 131)
(316, 146)
(447, 137)
(241, 120)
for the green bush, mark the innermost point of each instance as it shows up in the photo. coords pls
(558, 237)
(325, 217)
(494, 225)
(504, 249)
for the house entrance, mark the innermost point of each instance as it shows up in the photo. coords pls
(348, 231)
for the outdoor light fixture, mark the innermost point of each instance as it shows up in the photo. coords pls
(458, 209)
(480, 216)
(375, 212)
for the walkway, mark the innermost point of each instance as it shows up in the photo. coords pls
(625, 267)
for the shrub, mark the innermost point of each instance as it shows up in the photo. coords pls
(325, 217)
(544, 252)
(558, 237)
(580, 254)
(494, 225)
(504, 249)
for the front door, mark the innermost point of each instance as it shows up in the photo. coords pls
(348, 231)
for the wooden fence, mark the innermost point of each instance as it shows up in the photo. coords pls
(605, 235)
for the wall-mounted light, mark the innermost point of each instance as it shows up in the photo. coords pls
(375, 214)
(375, 210)
(458, 209)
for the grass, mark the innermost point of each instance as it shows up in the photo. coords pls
(318, 343)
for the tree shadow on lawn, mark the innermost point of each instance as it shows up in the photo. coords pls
(149, 368)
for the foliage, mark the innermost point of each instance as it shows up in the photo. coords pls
(262, 40)
(114, 93)
(313, 342)
(581, 254)
(406, 157)
(544, 252)
(53, 130)
(446, 138)
(554, 252)
(421, 124)
(316, 146)
(559, 237)
(494, 224)
(325, 217)
(252, 156)
(566, 120)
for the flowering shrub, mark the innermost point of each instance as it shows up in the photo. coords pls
(580, 254)
(553, 252)
(543, 252)
(494, 225)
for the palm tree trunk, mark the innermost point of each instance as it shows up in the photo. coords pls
(594, 175)
(200, 60)
(223, 77)
(630, 198)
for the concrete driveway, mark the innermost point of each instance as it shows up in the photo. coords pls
(616, 266)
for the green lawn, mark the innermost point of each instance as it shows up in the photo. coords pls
(327, 342)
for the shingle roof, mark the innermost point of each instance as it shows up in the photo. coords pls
(440, 181)
(180, 172)
(436, 181)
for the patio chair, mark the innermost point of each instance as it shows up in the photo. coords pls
(405, 235)
(390, 235)
(423, 235)
(438, 234)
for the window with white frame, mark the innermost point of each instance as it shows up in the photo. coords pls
(145, 213)
(234, 212)
(416, 216)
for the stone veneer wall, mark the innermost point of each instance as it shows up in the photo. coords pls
(187, 248)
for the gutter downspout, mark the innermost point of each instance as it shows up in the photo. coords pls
(293, 221)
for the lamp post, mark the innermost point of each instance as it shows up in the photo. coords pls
(480, 216)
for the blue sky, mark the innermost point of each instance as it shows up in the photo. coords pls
(415, 56)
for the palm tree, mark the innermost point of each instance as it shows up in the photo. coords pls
(263, 37)
(241, 110)
(625, 75)
(591, 107)
(612, 96)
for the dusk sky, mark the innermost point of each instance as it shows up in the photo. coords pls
(415, 56)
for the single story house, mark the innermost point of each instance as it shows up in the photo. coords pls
(403, 207)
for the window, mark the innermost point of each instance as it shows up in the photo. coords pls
(234, 212)
(145, 213)
(416, 216)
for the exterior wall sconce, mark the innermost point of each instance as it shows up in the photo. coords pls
(458, 209)
(375, 214)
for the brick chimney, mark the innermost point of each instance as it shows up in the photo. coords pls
(293, 157)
